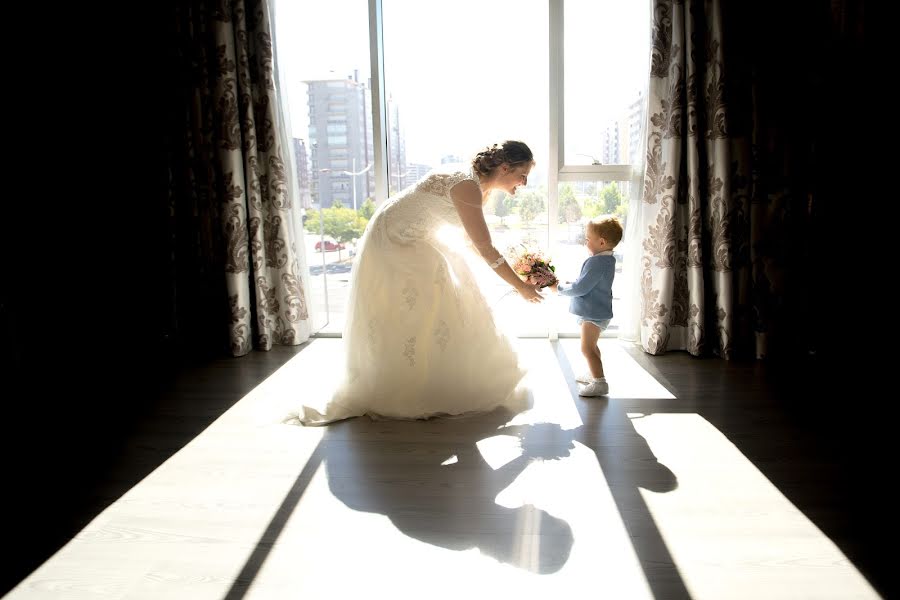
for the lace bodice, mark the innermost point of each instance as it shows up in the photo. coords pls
(421, 210)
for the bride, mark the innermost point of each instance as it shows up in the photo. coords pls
(420, 338)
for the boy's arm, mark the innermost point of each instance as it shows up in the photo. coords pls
(585, 283)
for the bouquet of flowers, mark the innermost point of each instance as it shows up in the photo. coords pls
(532, 265)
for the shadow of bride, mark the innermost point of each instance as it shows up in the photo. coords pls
(432, 481)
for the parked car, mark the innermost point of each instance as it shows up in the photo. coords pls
(329, 246)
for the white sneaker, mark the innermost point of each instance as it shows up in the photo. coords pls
(595, 388)
(585, 377)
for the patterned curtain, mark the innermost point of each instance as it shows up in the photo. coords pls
(232, 217)
(724, 215)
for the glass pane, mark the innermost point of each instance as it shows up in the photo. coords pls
(324, 49)
(579, 202)
(451, 94)
(607, 48)
(516, 223)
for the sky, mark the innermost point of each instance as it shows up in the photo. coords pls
(469, 73)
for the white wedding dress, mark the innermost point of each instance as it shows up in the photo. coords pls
(420, 337)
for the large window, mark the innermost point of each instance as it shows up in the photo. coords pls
(600, 54)
(568, 77)
(579, 202)
(324, 48)
(456, 88)
(606, 49)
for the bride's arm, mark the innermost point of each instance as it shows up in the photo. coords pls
(468, 202)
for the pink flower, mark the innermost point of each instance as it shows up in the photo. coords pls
(533, 266)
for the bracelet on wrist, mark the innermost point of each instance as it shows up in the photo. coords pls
(497, 262)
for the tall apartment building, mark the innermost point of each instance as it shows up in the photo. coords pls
(621, 141)
(416, 172)
(301, 163)
(399, 177)
(610, 144)
(342, 143)
(635, 122)
(340, 136)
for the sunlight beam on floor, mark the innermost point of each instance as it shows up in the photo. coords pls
(732, 533)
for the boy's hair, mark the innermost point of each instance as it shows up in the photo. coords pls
(609, 229)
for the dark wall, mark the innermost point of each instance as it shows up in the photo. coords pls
(83, 247)
(811, 70)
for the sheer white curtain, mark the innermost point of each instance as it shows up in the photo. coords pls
(282, 74)
(630, 320)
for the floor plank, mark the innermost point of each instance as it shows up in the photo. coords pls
(692, 480)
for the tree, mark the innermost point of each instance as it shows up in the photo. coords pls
(504, 206)
(367, 209)
(591, 207)
(340, 224)
(311, 223)
(622, 211)
(610, 198)
(569, 210)
(530, 205)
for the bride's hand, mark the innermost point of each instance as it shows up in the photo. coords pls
(530, 293)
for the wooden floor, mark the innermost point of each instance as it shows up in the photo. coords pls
(694, 479)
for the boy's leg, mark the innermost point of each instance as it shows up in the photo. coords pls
(590, 333)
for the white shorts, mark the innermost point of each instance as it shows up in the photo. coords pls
(601, 324)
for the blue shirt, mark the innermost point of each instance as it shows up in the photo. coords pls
(591, 293)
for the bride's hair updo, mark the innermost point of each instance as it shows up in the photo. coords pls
(510, 152)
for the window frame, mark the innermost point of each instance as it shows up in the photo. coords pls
(558, 171)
